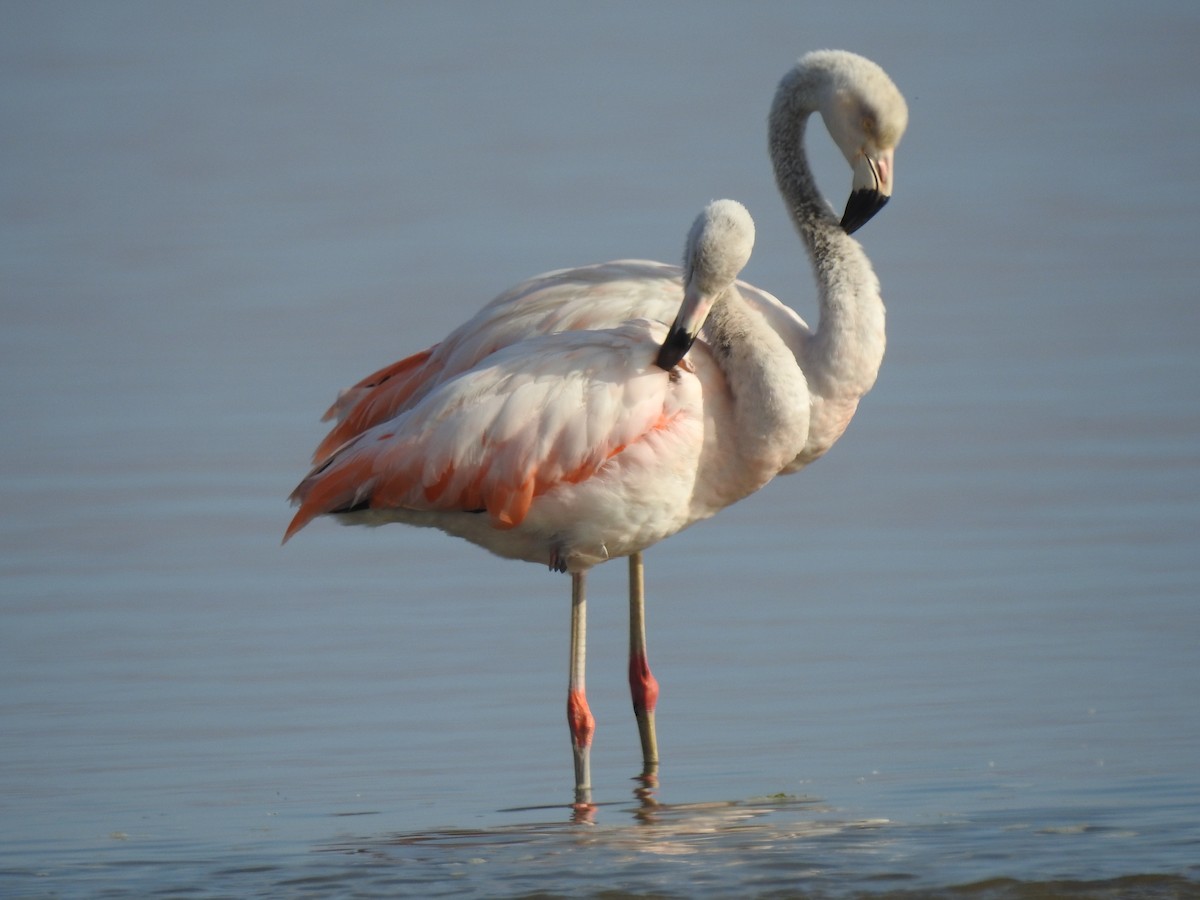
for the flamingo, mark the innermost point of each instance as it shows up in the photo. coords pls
(866, 116)
(569, 448)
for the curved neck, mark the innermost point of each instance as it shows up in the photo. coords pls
(842, 357)
(796, 100)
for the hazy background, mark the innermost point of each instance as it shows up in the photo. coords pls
(981, 603)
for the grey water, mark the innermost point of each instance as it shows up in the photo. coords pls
(958, 656)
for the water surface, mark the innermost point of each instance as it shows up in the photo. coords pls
(961, 650)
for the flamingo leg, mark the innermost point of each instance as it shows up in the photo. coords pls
(579, 717)
(643, 687)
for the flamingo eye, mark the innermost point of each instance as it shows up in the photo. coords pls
(869, 123)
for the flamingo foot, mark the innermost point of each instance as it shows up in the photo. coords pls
(583, 726)
(579, 717)
(643, 688)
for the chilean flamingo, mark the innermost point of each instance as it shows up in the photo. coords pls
(866, 116)
(570, 448)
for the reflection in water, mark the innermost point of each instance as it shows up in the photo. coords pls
(671, 829)
(708, 847)
(644, 793)
(799, 846)
(583, 810)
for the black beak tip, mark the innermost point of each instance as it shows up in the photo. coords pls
(862, 205)
(674, 348)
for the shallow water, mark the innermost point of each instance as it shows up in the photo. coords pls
(960, 655)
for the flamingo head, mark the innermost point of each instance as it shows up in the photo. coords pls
(718, 248)
(866, 115)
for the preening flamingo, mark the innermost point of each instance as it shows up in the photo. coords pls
(570, 448)
(837, 362)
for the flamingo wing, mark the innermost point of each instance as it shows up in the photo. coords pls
(547, 411)
(586, 298)
(581, 299)
(377, 398)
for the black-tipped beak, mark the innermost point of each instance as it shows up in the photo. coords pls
(871, 188)
(682, 333)
(861, 207)
(679, 341)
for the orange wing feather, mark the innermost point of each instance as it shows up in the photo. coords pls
(377, 398)
(550, 411)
